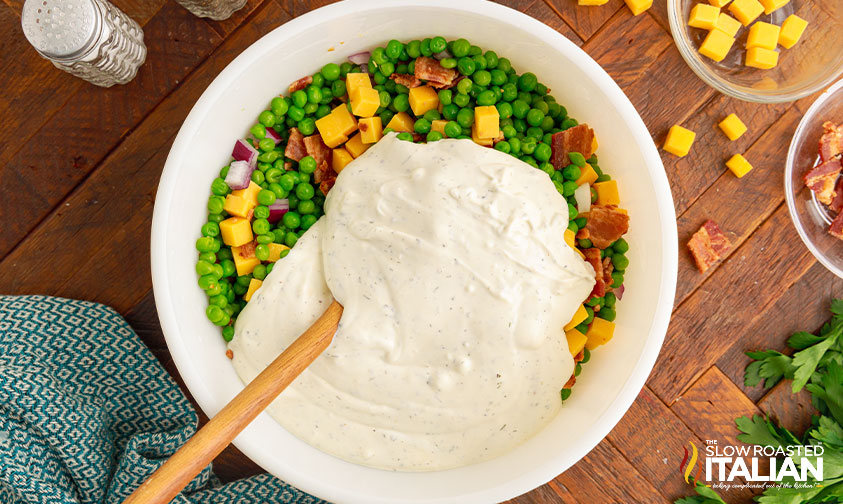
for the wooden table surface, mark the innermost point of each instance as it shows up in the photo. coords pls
(80, 165)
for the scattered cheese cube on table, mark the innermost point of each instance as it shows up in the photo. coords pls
(739, 165)
(576, 341)
(719, 3)
(704, 16)
(716, 45)
(607, 192)
(592, 2)
(732, 126)
(254, 285)
(340, 158)
(746, 11)
(423, 99)
(355, 146)
(364, 102)
(764, 35)
(577, 319)
(792, 30)
(236, 231)
(773, 5)
(727, 24)
(638, 6)
(679, 140)
(401, 122)
(371, 129)
(599, 333)
(758, 57)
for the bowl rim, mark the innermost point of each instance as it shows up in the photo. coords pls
(801, 130)
(655, 170)
(702, 71)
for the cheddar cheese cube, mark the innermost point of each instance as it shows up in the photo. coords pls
(250, 194)
(346, 121)
(401, 122)
(244, 265)
(759, 57)
(739, 165)
(732, 126)
(764, 35)
(340, 158)
(727, 24)
(587, 175)
(488, 142)
(237, 205)
(577, 319)
(236, 231)
(570, 238)
(576, 341)
(438, 125)
(592, 2)
(357, 80)
(599, 333)
(422, 99)
(773, 5)
(487, 120)
(638, 6)
(679, 140)
(254, 285)
(746, 11)
(371, 129)
(331, 130)
(704, 16)
(607, 192)
(716, 45)
(355, 146)
(719, 3)
(365, 102)
(275, 250)
(792, 30)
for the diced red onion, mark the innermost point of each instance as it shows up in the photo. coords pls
(443, 54)
(277, 210)
(243, 151)
(273, 135)
(583, 197)
(364, 69)
(619, 292)
(360, 58)
(239, 175)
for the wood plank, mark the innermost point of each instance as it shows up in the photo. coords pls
(792, 411)
(738, 206)
(540, 10)
(691, 175)
(604, 475)
(296, 8)
(226, 26)
(641, 58)
(586, 21)
(95, 119)
(112, 224)
(545, 494)
(711, 320)
(143, 317)
(804, 306)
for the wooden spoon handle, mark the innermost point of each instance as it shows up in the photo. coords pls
(210, 440)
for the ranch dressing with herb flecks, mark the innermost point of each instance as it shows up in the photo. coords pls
(450, 261)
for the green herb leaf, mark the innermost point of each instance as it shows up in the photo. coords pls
(829, 433)
(837, 307)
(805, 362)
(802, 340)
(830, 390)
(769, 365)
(758, 430)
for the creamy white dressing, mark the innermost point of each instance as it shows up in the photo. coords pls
(449, 259)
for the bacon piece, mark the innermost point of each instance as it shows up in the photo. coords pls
(229, 354)
(300, 84)
(406, 80)
(592, 255)
(837, 203)
(580, 139)
(583, 234)
(571, 381)
(708, 245)
(327, 184)
(316, 148)
(608, 268)
(831, 143)
(580, 356)
(821, 179)
(836, 228)
(295, 145)
(288, 165)
(247, 251)
(605, 225)
(434, 73)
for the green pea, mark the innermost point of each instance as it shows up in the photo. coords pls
(413, 49)
(262, 252)
(466, 65)
(307, 126)
(438, 44)
(291, 220)
(310, 108)
(306, 165)
(331, 71)
(215, 218)
(304, 191)
(307, 221)
(387, 69)
(486, 98)
(621, 246)
(228, 333)
(218, 271)
(460, 47)
(509, 131)
(306, 207)
(534, 117)
(577, 369)
(491, 59)
(461, 100)
(448, 62)
(299, 98)
(266, 197)
(503, 146)
(584, 244)
(571, 172)
(214, 313)
(258, 177)
(546, 167)
(386, 116)
(290, 239)
(534, 133)
(224, 171)
(258, 131)
(266, 238)
(385, 99)
(338, 88)
(405, 136)
(482, 78)
(520, 109)
(210, 229)
(208, 256)
(572, 227)
(204, 268)
(611, 299)
(273, 175)
(581, 222)
(577, 159)
(620, 261)
(267, 118)
(296, 113)
(393, 49)
(401, 103)
(556, 176)
(288, 180)
(474, 50)
(565, 393)
(318, 79)
(228, 268)
(464, 86)
(572, 210)
(379, 55)
(514, 145)
(432, 115)
(279, 106)
(527, 82)
(424, 47)
(589, 316)
(260, 226)
(607, 314)
(479, 62)
(260, 270)
(422, 126)
(450, 111)
(433, 136)
(603, 178)
(528, 146)
(465, 117)
(205, 244)
(219, 187)
(452, 129)
(568, 123)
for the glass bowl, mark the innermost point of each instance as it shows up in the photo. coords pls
(810, 217)
(807, 67)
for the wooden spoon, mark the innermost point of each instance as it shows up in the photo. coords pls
(210, 440)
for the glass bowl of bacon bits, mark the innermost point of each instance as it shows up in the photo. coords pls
(813, 180)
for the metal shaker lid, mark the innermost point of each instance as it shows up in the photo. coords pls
(60, 28)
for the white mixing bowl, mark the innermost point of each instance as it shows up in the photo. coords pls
(617, 371)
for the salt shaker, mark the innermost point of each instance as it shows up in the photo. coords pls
(91, 39)
(214, 9)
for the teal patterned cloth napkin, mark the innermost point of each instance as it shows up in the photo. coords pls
(87, 412)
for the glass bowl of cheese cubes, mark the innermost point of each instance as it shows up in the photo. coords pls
(761, 50)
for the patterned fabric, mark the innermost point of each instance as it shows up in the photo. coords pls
(87, 412)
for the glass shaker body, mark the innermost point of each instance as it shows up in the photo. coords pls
(214, 9)
(90, 39)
